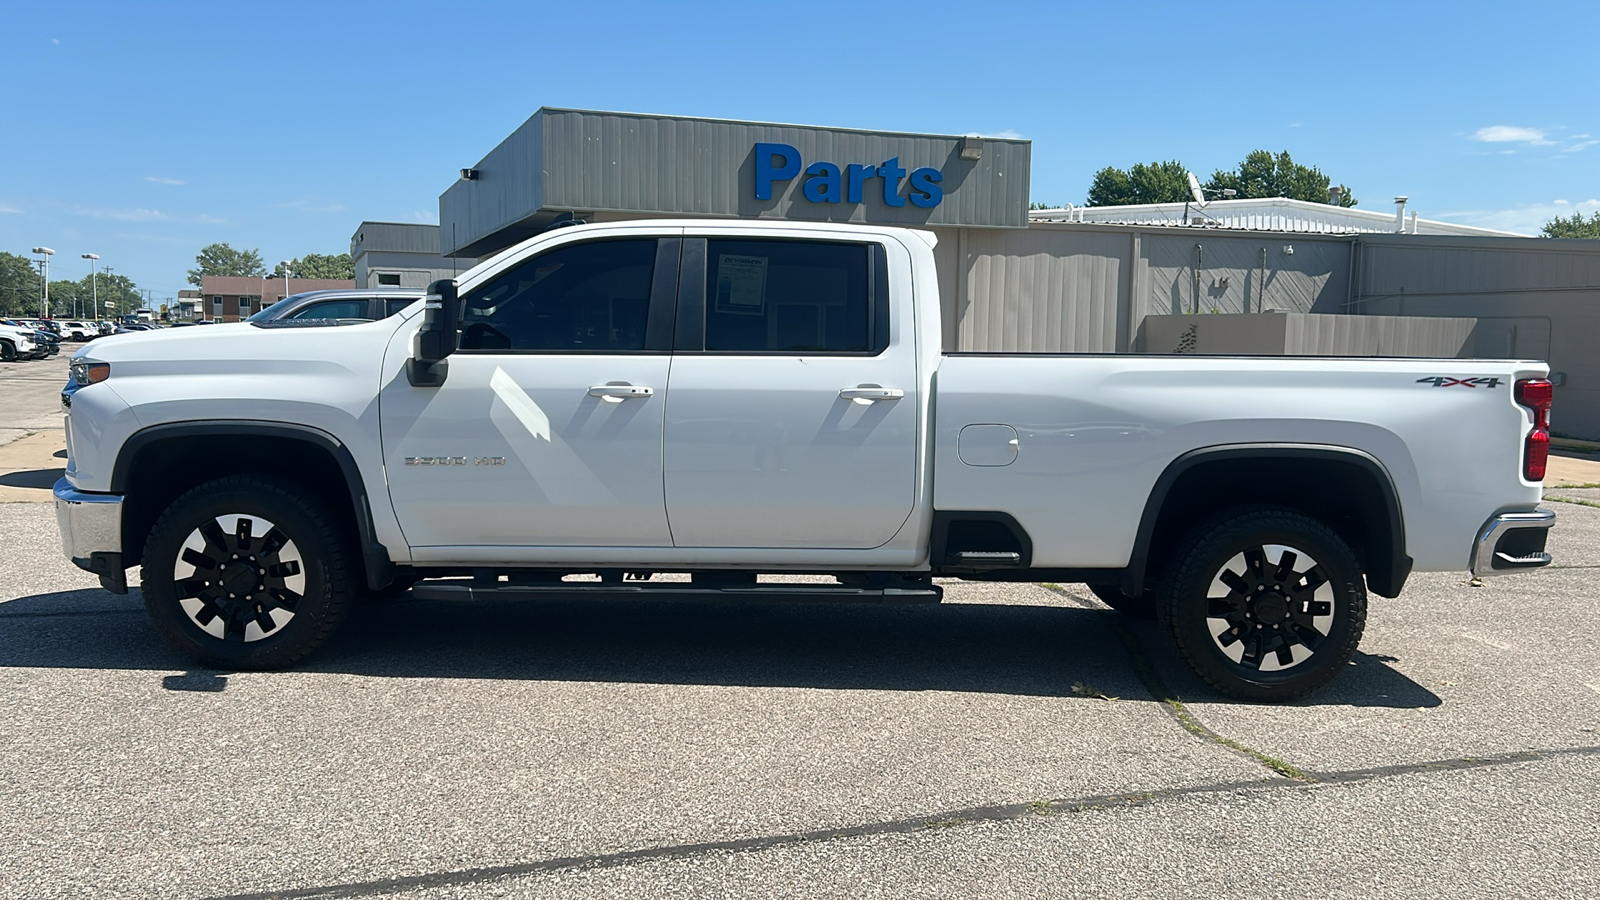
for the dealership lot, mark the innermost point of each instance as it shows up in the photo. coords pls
(1018, 738)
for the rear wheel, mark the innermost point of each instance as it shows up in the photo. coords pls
(8, 353)
(246, 572)
(1266, 604)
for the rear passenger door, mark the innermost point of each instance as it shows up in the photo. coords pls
(791, 420)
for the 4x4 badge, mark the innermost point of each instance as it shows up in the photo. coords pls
(1445, 381)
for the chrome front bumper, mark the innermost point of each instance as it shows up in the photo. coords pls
(1512, 542)
(91, 532)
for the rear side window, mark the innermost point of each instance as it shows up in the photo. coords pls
(779, 296)
(390, 307)
(580, 297)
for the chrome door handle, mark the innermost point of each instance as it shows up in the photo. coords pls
(616, 393)
(869, 394)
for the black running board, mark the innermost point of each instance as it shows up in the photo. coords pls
(683, 590)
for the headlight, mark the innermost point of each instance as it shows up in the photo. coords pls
(86, 372)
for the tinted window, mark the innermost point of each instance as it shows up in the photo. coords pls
(390, 307)
(593, 296)
(788, 297)
(333, 309)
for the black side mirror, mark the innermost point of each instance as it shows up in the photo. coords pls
(437, 337)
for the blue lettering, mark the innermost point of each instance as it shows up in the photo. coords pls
(823, 185)
(826, 182)
(858, 177)
(767, 171)
(926, 181)
(891, 173)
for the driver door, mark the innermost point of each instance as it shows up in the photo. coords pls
(547, 431)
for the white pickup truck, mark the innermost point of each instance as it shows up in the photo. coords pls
(728, 399)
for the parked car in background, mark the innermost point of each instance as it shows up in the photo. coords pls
(48, 341)
(79, 331)
(16, 341)
(361, 304)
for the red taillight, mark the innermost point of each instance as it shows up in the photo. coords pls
(1536, 394)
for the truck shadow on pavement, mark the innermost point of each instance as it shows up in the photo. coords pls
(966, 647)
(32, 478)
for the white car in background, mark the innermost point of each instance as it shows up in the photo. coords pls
(16, 343)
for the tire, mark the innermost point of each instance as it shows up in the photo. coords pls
(1141, 607)
(1307, 616)
(211, 604)
(8, 353)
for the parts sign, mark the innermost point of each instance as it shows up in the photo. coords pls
(827, 182)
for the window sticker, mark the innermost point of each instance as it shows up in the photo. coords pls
(741, 284)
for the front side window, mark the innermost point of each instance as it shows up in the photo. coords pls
(781, 296)
(580, 297)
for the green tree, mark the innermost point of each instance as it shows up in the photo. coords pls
(1263, 175)
(221, 259)
(1158, 182)
(19, 286)
(1575, 226)
(319, 265)
(65, 297)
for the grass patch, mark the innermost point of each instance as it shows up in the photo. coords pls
(1574, 501)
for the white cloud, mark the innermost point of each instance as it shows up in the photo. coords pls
(1501, 134)
(56, 41)
(161, 179)
(1526, 219)
(426, 218)
(122, 215)
(9, 209)
(312, 206)
(1007, 135)
(1579, 146)
(140, 214)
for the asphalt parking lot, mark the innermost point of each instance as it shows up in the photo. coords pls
(1017, 739)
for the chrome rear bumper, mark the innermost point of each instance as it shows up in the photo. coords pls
(1512, 542)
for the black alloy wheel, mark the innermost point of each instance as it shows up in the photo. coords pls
(1267, 604)
(246, 572)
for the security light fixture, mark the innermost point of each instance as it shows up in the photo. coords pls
(469, 174)
(971, 148)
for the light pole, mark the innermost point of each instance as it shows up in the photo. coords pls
(94, 287)
(46, 252)
(285, 265)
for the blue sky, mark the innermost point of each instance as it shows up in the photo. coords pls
(144, 131)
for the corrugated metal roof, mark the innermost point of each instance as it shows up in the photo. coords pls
(1265, 214)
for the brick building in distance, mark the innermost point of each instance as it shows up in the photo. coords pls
(226, 298)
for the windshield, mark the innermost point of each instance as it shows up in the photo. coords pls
(267, 312)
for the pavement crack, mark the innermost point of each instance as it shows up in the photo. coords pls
(947, 819)
(1174, 706)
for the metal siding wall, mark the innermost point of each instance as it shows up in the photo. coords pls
(1044, 291)
(590, 162)
(1314, 278)
(395, 237)
(510, 187)
(705, 167)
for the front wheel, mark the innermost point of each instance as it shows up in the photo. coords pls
(246, 572)
(1265, 604)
